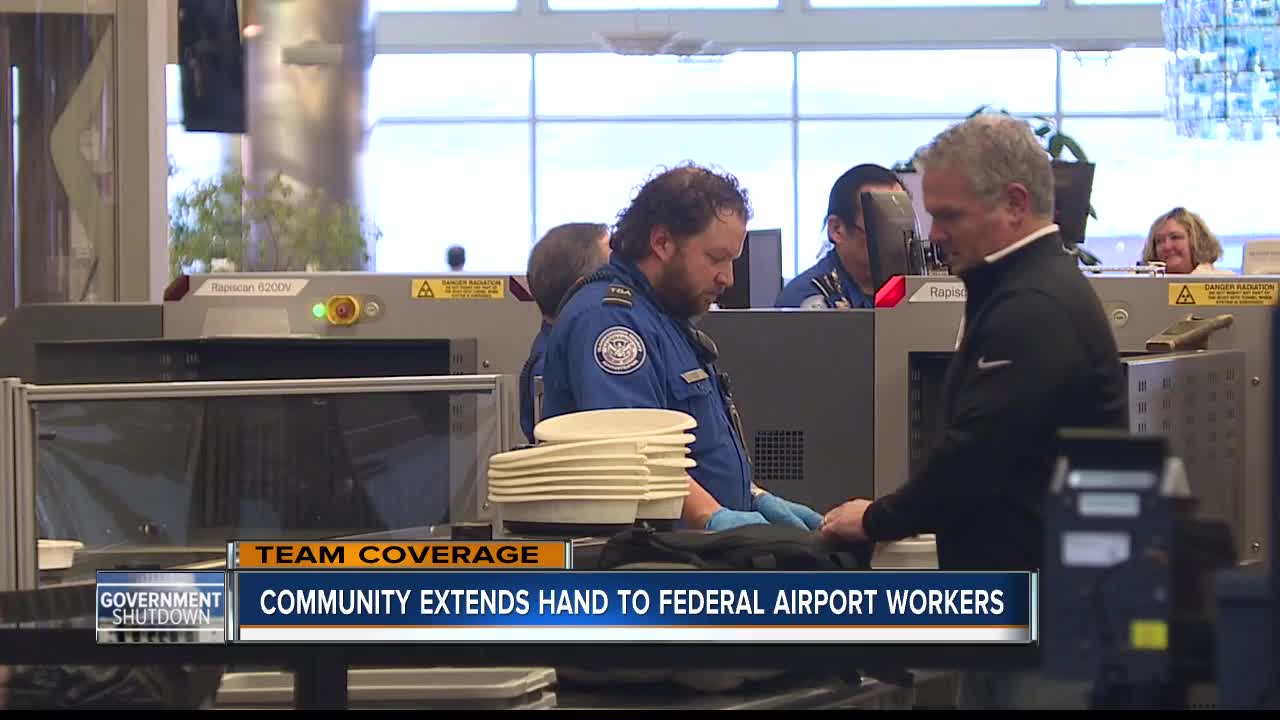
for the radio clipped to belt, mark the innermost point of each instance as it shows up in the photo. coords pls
(733, 414)
(708, 354)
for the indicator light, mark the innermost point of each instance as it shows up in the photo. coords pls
(318, 310)
(342, 310)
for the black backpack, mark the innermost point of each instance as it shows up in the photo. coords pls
(749, 547)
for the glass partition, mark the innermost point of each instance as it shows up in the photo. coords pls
(164, 474)
(58, 195)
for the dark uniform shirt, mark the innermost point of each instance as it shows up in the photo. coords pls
(825, 285)
(533, 367)
(614, 346)
(1037, 355)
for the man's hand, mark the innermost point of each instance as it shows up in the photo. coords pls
(845, 521)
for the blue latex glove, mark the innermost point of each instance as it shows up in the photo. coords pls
(780, 510)
(726, 519)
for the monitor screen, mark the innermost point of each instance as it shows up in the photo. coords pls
(757, 273)
(1072, 188)
(893, 239)
(212, 61)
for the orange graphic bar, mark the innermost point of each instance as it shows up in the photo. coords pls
(480, 555)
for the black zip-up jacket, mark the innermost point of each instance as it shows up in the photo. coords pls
(1037, 355)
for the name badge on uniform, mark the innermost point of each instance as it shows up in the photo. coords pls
(694, 376)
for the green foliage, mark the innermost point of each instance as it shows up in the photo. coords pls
(214, 219)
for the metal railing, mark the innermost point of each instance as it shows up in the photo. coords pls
(8, 486)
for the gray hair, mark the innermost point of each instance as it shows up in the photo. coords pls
(996, 150)
(564, 254)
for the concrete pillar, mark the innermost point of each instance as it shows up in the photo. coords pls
(307, 67)
(147, 30)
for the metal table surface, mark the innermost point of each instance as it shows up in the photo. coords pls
(792, 692)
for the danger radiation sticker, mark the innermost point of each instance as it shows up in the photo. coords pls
(1232, 293)
(458, 289)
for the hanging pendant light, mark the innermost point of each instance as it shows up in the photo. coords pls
(1223, 72)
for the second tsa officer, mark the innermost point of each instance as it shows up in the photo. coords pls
(566, 253)
(624, 338)
(842, 278)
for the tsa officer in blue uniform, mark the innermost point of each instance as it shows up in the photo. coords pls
(624, 338)
(842, 278)
(566, 253)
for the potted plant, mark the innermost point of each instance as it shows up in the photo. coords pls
(1073, 179)
(212, 222)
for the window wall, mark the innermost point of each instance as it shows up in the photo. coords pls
(491, 149)
(193, 156)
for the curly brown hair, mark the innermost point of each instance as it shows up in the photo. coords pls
(684, 199)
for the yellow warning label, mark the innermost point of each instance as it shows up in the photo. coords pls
(1149, 635)
(1230, 293)
(458, 289)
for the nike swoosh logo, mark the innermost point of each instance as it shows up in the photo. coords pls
(984, 364)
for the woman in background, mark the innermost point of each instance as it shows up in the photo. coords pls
(1183, 242)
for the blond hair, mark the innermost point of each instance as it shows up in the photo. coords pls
(1205, 247)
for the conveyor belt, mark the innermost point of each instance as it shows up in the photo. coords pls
(800, 691)
(61, 604)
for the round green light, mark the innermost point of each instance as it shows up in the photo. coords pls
(318, 310)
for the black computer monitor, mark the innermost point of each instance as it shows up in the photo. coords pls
(893, 239)
(212, 60)
(1072, 190)
(757, 273)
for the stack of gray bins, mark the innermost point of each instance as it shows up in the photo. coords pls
(403, 689)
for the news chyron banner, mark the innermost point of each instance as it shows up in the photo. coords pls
(495, 591)
(162, 606)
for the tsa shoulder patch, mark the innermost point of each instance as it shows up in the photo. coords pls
(617, 295)
(619, 350)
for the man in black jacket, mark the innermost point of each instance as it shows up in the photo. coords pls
(1036, 355)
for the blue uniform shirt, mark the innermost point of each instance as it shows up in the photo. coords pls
(533, 367)
(825, 285)
(613, 346)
